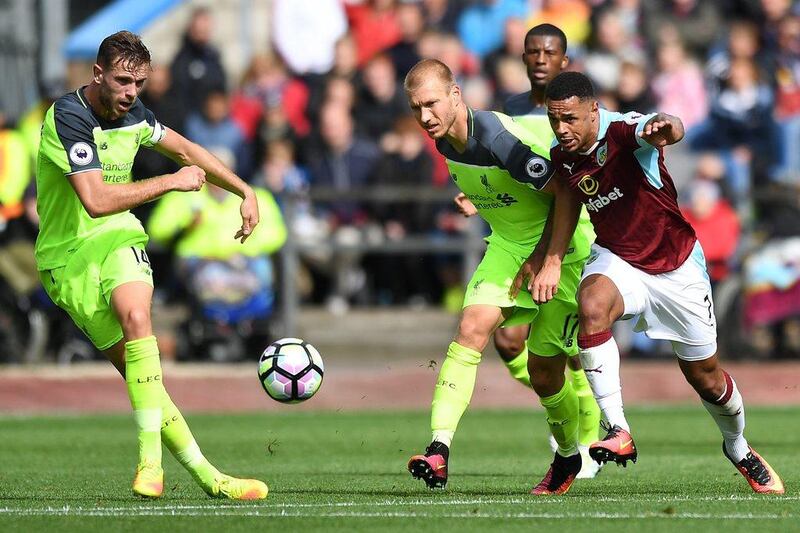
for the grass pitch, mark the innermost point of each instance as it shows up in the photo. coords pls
(346, 472)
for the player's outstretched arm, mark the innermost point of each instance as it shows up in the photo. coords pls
(662, 130)
(102, 199)
(179, 148)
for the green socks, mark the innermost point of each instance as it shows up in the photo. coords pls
(453, 391)
(178, 438)
(518, 368)
(562, 417)
(589, 411)
(145, 390)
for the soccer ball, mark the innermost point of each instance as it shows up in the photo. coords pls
(290, 370)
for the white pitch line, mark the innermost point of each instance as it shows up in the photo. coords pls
(400, 502)
(349, 514)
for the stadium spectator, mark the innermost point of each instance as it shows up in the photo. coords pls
(451, 52)
(511, 79)
(375, 27)
(404, 54)
(477, 93)
(740, 124)
(17, 265)
(743, 41)
(197, 69)
(633, 91)
(280, 174)
(512, 48)
(381, 100)
(296, 24)
(787, 101)
(716, 225)
(678, 84)
(612, 46)
(697, 23)
(441, 15)
(342, 161)
(266, 83)
(213, 128)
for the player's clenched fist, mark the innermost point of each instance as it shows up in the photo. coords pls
(464, 205)
(189, 178)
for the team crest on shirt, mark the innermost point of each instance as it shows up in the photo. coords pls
(588, 185)
(81, 154)
(536, 167)
(486, 184)
(602, 154)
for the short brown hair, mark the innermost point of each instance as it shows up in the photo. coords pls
(125, 48)
(429, 68)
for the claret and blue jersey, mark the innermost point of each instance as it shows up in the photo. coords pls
(630, 195)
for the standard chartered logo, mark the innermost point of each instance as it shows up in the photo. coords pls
(599, 202)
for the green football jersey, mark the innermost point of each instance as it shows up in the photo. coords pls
(502, 172)
(75, 140)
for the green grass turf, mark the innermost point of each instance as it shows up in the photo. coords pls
(346, 472)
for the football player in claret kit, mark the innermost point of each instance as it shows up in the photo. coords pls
(90, 249)
(646, 262)
(504, 170)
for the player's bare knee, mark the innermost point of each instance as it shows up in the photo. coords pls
(594, 315)
(546, 374)
(136, 323)
(473, 334)
(508, 348)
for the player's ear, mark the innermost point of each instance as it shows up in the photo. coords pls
(455, 92)
(97, 73)
(564, 62)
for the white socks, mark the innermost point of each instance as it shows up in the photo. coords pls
(728, 412)
(600, 360)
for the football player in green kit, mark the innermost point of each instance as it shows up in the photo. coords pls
(545, 57)
(90, 249)
(504, 170)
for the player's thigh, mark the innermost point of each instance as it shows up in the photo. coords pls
(128, 286)
(610, 288)
(554, 330)
(491, 283)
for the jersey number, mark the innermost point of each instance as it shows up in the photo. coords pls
(141, 256)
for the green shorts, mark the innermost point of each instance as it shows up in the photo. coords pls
(554, 325)
(83, 286)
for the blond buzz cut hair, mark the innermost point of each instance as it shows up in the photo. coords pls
(427, 69)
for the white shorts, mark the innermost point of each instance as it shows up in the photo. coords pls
(676, 306)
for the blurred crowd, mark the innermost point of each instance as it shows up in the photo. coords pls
(321, 121)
